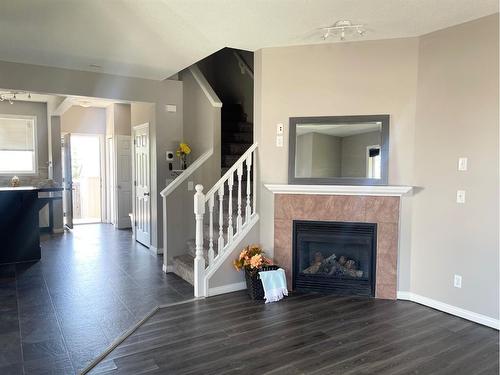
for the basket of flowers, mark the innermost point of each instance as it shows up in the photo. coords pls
(252, 260)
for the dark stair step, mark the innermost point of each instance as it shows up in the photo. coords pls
(235, 148)
(237, 137)
(240, 126)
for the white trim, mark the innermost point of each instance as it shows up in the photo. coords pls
(453, 310)
(156, 250)
(205, 86)
(167, 269)
(377, 190)
(226, 288)
(186, 173)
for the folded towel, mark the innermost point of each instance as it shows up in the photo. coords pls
(274, 283)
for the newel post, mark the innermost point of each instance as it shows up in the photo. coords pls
(199, 260)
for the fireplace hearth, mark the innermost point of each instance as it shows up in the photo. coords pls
(334, 257)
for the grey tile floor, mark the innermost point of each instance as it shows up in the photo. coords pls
(92, 285)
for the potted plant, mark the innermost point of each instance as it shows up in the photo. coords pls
(252, 260)
(182, 152)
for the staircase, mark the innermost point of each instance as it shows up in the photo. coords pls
(230, 206)
(236, 135)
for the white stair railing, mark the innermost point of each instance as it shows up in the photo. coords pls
(228, 235)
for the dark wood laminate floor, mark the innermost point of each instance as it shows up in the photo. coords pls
(92, 285)
(304, 334)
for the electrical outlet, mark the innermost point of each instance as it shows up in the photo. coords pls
(457, 281)
(279, 141)
(460, 196)
(280, 129)
(190, 185)
(462, 164)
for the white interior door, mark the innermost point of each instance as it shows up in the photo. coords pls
(110, 186)
(142, 202)
(68, 182)
(123, 180)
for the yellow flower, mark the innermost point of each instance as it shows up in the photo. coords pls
(185, 148)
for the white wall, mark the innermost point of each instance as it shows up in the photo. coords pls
(457, 115)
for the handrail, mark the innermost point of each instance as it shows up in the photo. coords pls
(186, 173)
(205, 86)
(243, 65)
(230, 171)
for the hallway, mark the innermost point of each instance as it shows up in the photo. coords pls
(91, 285)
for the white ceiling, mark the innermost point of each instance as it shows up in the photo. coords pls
(157, 38)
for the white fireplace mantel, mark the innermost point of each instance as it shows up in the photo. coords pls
(376, 190)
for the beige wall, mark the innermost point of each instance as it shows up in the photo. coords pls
(375, 77)
(457, 115)
(90, 120)
(201, 131)
(354, 153)
(455, 73)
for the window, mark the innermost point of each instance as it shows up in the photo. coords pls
(18, 145)
(373, 161)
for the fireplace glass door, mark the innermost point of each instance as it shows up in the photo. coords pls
(334, 257)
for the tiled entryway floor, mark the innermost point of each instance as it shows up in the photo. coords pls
(92, 285)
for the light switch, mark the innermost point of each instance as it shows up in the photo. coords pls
(190, 185)
(171, 108)
(280, 129)
(279, 141)
(460, 196)
(457, 281)
(462, 164)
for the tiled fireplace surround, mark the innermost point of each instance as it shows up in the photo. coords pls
(382, 210)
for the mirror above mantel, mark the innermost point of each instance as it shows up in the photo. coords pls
(339, 150)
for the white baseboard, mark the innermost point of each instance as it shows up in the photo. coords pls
(57, 230)
(167, 269)
(226, 288)
(156, 250)
(453, 310)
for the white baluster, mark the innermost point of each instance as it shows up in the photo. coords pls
(199, 260)
(211, 254)
(248, 210)
(238, 217)
(220, 242)
(230, 230)
(254, 170)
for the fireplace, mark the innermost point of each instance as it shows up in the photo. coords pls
(334, 257)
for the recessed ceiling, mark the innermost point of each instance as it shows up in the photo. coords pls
(155, 39)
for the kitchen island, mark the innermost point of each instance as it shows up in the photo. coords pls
(19, 223)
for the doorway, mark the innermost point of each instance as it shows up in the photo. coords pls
(85, 160)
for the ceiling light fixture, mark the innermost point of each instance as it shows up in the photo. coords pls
(11, 96)
(342, 29)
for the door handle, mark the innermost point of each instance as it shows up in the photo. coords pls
(146, 194)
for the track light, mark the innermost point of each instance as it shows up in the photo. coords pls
(342, 29)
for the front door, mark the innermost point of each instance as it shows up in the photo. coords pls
(142, 202)
(68, 182)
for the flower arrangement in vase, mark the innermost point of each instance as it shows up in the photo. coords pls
(252, 260)
(182, 152)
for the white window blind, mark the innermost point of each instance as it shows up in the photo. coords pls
(17, 145)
